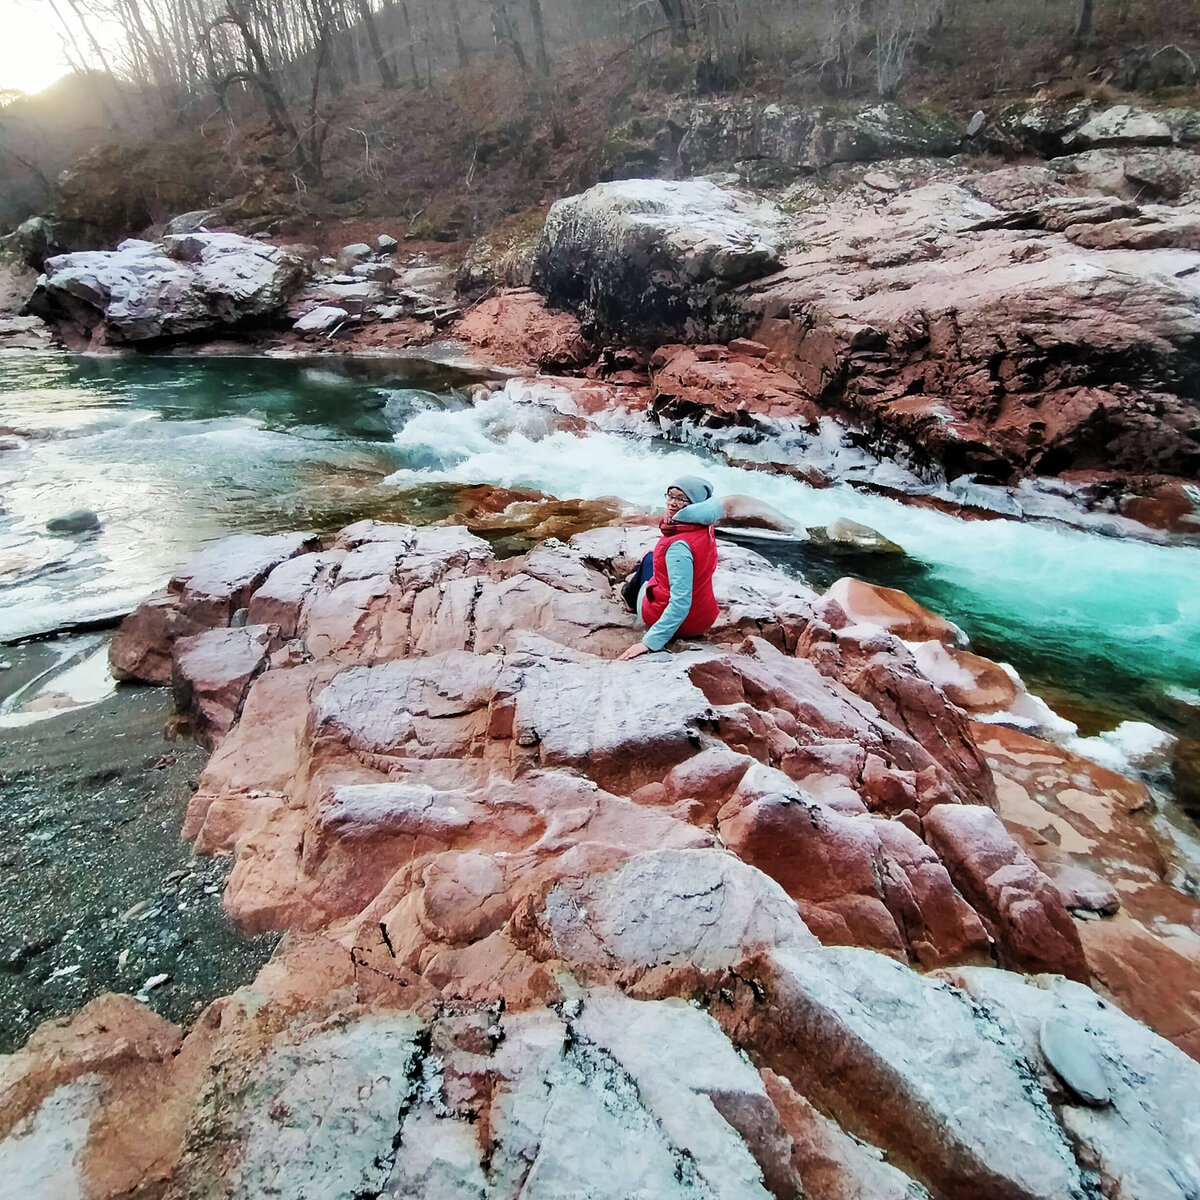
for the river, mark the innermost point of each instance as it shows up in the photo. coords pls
(173, 452)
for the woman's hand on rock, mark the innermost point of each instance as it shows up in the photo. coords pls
(634, 651)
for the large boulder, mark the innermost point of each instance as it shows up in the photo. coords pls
(184, 286)
(213, 669)
(1121, 125)
(650, 260)
(197, 221)
(33, 241)
(1051, 127)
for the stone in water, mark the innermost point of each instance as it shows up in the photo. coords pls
(79, 520)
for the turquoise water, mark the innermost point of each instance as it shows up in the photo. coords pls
(174, 452)
(1114, 619)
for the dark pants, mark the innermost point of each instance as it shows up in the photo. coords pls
(633, 585)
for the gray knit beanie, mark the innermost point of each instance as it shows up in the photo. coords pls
(693, 487)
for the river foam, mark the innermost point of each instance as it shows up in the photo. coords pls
(1132, 605)
(173, 453)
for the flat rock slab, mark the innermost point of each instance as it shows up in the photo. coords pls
(1142, 1141)
(699, 909)
(323, 319)
(851, 1023)
(230, 568)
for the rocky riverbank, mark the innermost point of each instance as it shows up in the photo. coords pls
(100, 894)
(1029, 326)
(824, 903)
(544, 909)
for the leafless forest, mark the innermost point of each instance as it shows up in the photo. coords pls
(377, 103)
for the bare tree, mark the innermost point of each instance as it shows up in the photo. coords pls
(1083, 24)
(541, 55)
(843, 30)
(898, 24)
(678, 14)
(504, 31)
(460, 45)
(411, 43)
(383, 64)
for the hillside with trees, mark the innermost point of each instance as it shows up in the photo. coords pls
(453, 115)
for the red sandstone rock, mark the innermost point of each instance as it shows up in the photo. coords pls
(516, 328)
(719, 385)
(1023, 911)
(968, 680)
(1173, 505)
(872, 665)
(212, 672)
(1091, 831)
(204, 595)
(870, 604)
(289, 588)
(858, 880)
(817, 1019)
(830, 1163)
(928, 322)
(141, 648)
(121, 1072)
(222, 578)
(476, 821)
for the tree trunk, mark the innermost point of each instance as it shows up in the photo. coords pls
(412, 48)
(1083, 24)
(264, 80)
(678, 19)
(504, 33)
(316, 132)
(386, 75)
(460, 47)
(540, 53)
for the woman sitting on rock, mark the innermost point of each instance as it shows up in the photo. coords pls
(673, 586)
(672, 589)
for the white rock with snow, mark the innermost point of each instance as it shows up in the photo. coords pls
(1121, 124)
(185, 285)
(323, 319)
(655, 253)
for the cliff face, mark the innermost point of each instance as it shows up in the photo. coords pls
(749, 919)
(1055, 336)
(997, 325)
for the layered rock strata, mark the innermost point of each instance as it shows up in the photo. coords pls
(1055, 338)
(561, 925)
(1044, 330)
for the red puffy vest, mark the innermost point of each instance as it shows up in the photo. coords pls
(702, 542)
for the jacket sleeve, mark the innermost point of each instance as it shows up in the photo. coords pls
(703, 512)
(679, 575)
